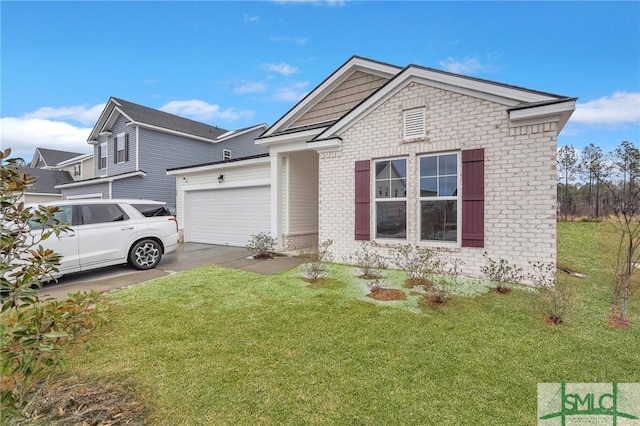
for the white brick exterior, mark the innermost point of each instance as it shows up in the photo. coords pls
(520, 173)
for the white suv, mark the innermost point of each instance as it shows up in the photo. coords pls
(111, 232)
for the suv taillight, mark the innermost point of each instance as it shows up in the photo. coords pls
(174, 220)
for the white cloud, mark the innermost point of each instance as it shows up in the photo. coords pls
(468, 66)
(618, 109)
(292, 93)
(203, 111)
(255, 87)
(281, 68)
(251, 19)
(81, 114)
(24, 135)
(299, 41)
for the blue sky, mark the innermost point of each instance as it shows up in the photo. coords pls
(235, 64)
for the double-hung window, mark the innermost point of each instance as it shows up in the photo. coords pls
(439, 198)
(391, 198)
(120, 147)
(103, 156)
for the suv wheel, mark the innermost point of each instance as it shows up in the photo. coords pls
(145, 254)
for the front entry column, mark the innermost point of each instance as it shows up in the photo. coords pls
(276, 198)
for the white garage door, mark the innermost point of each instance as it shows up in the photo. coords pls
(227, 216)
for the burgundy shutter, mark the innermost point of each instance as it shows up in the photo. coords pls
(363, 200)
(473, 198)
(115, 150)
(126, 147)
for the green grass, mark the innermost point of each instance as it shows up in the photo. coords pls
(220, 346)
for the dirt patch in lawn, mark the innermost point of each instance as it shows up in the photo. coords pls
(323, 283)
(418, 282)
(387, 294)
(72, 401)
(501, 290)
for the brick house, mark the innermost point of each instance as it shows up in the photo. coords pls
(416, 156)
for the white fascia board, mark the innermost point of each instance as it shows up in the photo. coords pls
(304, 135)
(221, 166)
(559, 112)
(169, 131)
(326, 144)
(499, 90)
(107, 179)
(233, 134)
(336, 78)
(300, 145)
(77, 159)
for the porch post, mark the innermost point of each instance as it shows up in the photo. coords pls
(276, 198)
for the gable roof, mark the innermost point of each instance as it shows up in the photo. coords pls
(51, 157)
(514, 97)
(154, 119)
(46, 180)
(235, 133)
(354, 64)
(523, 104)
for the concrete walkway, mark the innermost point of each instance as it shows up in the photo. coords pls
(187, 256)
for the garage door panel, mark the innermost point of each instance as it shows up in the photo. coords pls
(227, 216)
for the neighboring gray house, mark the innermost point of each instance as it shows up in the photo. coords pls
(135, 145)
(45, 158)
(44, 188)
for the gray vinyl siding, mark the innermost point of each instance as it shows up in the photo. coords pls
(128, 166)
(102, 187)
(240, 146)
(135, 187)
(161, 151)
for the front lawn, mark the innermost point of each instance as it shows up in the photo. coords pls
(220, 346)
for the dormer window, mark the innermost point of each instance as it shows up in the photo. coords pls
(414, 123)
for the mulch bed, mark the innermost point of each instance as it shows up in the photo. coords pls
(501, 290)
(387, 294)
(617, 322)
(554, 320)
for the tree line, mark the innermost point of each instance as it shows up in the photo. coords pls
(590, 181)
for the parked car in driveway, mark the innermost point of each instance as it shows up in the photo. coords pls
(111, 232)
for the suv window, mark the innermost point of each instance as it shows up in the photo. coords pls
(64, 215)
(150, 210)
(101, 213)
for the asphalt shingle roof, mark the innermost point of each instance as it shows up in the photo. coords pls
(46, 180)
(154, 117)
(52, 157)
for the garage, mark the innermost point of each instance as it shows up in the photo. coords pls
(227, 216)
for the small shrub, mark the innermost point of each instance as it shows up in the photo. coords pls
(501, 272)
(448, 275)
(368, 260)
(315, 269)
(261, 245)
(554, 298)
(417, 262)
(376, 284)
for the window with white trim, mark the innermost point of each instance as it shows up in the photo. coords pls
(390, 189)
(413, 123)
(439, 200)
(102, 161)
(120, 147)
(226, 154)
(77, 169)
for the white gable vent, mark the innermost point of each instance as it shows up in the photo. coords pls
(413, 123)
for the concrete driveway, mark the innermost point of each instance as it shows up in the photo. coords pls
(187, 256)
